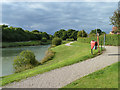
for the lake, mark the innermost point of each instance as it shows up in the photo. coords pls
(8, 55)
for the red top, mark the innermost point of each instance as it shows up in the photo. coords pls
(92, 44)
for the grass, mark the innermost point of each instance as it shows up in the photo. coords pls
(64, 55)
(104, 78)
(27, 43)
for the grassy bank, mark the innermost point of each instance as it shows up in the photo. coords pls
(105, 78)
(64, 55)
(112, 40)
(27, 43)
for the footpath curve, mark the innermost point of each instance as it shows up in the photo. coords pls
(68, 44)
(60, 77)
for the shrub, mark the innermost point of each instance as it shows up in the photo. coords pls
(48, 56)
(44, 39)
(25, 60)
(56, 41)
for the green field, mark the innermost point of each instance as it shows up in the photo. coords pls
(104, 78)
(65, 55)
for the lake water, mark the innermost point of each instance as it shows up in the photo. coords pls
(8, 55)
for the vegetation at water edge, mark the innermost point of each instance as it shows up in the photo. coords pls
(25, 60)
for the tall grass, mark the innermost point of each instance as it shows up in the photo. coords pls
(48, 56)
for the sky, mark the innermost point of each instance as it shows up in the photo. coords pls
(52, 16)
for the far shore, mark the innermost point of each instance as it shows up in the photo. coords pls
(24, 43)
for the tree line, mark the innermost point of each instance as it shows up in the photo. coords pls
(14, 34)
(74, 34)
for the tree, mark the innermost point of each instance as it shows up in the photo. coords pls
(13, 34)
(56, 41)
(35, 31)
(82, 34)
(115, 19)
(72, 34)
(3, 26)
(51, 36)
(98, 31)
(61, 34)
(69, 33)
(64, 35)
(44, 34)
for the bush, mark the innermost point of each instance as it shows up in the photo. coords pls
(44, 39)
(25, 60)
(56, 41)
(48, 56)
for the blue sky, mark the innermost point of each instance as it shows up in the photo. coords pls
(53, 16)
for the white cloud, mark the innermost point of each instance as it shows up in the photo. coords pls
(38, 6)
(3, 23)
(36, 26)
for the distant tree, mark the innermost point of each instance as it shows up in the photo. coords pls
(18, 29)
(61, 34)
(35, 31)
(56, 41)
(98, 31)
(72, 34)
(56, 34)
(12, 34)
(26, 31)
(115, 19)
(82, 33)
(3, 26)
(38, 36)
(69, 33)
(51, 36)
(64, 35)
(44, 34)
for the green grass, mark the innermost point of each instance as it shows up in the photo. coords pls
(104, 78)
(27, 43)
(65, 55)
